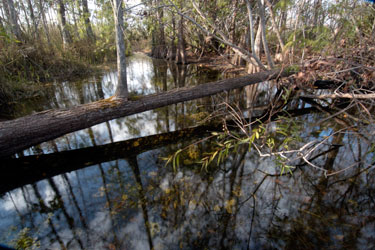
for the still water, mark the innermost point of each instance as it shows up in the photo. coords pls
(122, 196)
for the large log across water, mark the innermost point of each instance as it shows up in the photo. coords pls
(24, 132)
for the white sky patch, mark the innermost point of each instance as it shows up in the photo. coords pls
(101, 223)
(7, 204)
(137, 232)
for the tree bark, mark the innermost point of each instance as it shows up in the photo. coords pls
(32, 16)
(274, 25)
(67, 39)
(86, 15)
(252, 68)
(122, 85)
(181, 51)
(159, 48)
(22, 6)
(317, 8)
(19, 134)
(44, 20)
(173, 50)
(264, 39)
(11, 13)
(75, 22)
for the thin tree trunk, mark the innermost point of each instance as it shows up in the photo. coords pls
(264, 39)
(67, 39)
(296, 26)
(76, 32)
(317, 8)
(86, 14)
(274, 25)
(253, 68)
(233, 24)
(173, 50)
(41, 9)
(11, 13)
(122, 85)
(161, 46)
(181, 52)
(255, 51)
(1, 24)
(22, 6)
(32, 16)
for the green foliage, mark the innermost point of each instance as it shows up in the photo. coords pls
(313, 38)
(293, 69)
(283, 5)
(285, 137)
(273, 143)
(24, 241)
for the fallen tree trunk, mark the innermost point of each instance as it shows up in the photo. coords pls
(24, 132)
(38, 167)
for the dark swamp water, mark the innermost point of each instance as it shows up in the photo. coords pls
(112, 189)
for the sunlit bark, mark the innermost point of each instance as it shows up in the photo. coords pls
(264, 39)
(122, 85)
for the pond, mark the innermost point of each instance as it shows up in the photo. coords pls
(108, 186)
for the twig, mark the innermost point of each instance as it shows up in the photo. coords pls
(341, 95)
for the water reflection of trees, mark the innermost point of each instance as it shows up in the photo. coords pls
(134, 201)
(234, 205)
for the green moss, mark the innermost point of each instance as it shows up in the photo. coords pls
(292, 69)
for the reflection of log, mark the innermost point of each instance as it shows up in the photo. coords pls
(24, 132)
(29, 169)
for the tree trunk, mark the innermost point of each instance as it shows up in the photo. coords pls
(32, 16)
(21, 133)
(274, 25)
(173, 50)
(22, 6)
(41, 9)
(181, 52)
(86, 15)
(38, 167)
(232, 28)
(67, 39)
(158, 42)
(74, 16)
(122, 85)
(296, 23)
(161, 35)
(264, 39)
(251, 67)
(255, 49)
(317, 8)
(41, 166)
(1, 24)
(12, 16)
